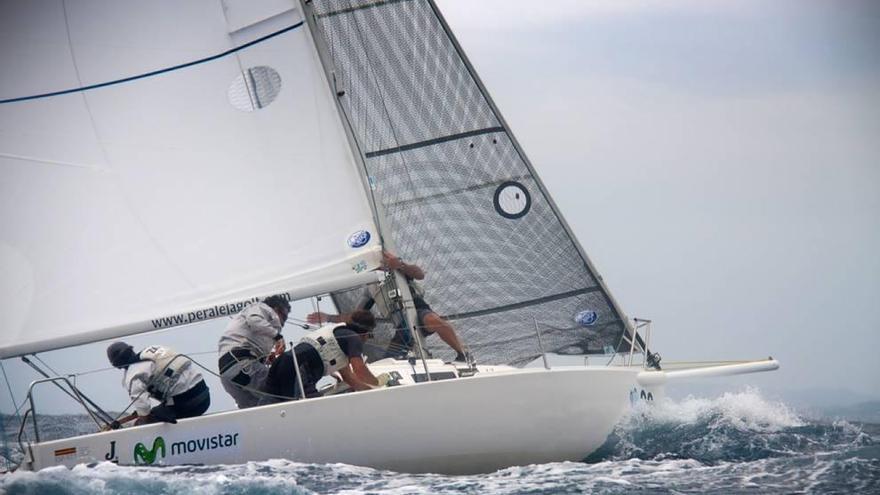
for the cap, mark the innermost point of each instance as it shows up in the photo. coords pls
(120, 354)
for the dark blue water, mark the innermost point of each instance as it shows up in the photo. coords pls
(736, 443)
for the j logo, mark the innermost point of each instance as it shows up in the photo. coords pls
(111, 456)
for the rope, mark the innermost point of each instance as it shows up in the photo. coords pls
(110, 368)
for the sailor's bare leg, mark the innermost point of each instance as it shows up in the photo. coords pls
(435, 324)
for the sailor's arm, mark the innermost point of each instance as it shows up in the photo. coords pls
(262, 327)
(117, 423)
(392, 262)
(319, 317)
(137, 390)
(357, 375)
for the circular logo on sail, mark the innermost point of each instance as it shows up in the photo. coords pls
(512, 200)
(586, 317)
(254, 88)
(359, 239)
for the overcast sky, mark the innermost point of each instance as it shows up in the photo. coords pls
(719, 162)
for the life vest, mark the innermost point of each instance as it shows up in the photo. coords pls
(324, 341)
(167, 369)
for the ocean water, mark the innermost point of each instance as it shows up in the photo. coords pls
(736, 443)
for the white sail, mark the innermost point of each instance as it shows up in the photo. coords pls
(202, 164)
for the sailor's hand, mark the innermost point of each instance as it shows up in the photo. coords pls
(391, 262)
(383, 379)
(276, 351)
(318, 317)
(115, 425)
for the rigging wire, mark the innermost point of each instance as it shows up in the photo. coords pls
(6, 456)
(5, 451)
(38, 358)
(9, 387)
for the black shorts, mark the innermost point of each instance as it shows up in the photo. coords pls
(422, 310)
(282, 378)
(194, 402)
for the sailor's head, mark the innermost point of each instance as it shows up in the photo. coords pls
(362, 322)
(280, 305)
(121, 354)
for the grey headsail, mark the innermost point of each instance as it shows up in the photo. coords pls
(459, 197)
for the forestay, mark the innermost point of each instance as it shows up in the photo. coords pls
(177, 158)
(459, 196)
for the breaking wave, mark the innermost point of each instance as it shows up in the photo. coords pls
(734, 427)
(738, 442)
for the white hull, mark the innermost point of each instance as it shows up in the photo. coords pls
(482, 423)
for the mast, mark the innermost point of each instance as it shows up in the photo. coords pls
(406, 298)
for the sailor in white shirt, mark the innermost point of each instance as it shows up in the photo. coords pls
(160, 374)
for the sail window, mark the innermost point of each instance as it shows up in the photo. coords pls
(254, 88)
(512, 200)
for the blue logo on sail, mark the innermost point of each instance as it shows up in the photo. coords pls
(359, 239)
(586, 318)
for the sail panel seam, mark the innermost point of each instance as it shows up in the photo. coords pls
(430, 142)
(546, 331)
(155, 72)
(349, 10)
(475, 187)
(523, 304)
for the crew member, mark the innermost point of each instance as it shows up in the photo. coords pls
(251, 342)
(159, 373)
(337, 347)
(428, 322)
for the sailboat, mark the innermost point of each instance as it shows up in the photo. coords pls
(166, 163)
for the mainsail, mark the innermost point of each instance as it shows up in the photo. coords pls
(162, 162)
(459, 196)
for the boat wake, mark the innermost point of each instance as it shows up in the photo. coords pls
(741, 426)
(738, 442)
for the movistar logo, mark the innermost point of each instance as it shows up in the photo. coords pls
(144, 456)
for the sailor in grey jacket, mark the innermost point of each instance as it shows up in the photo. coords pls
(250, 343)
